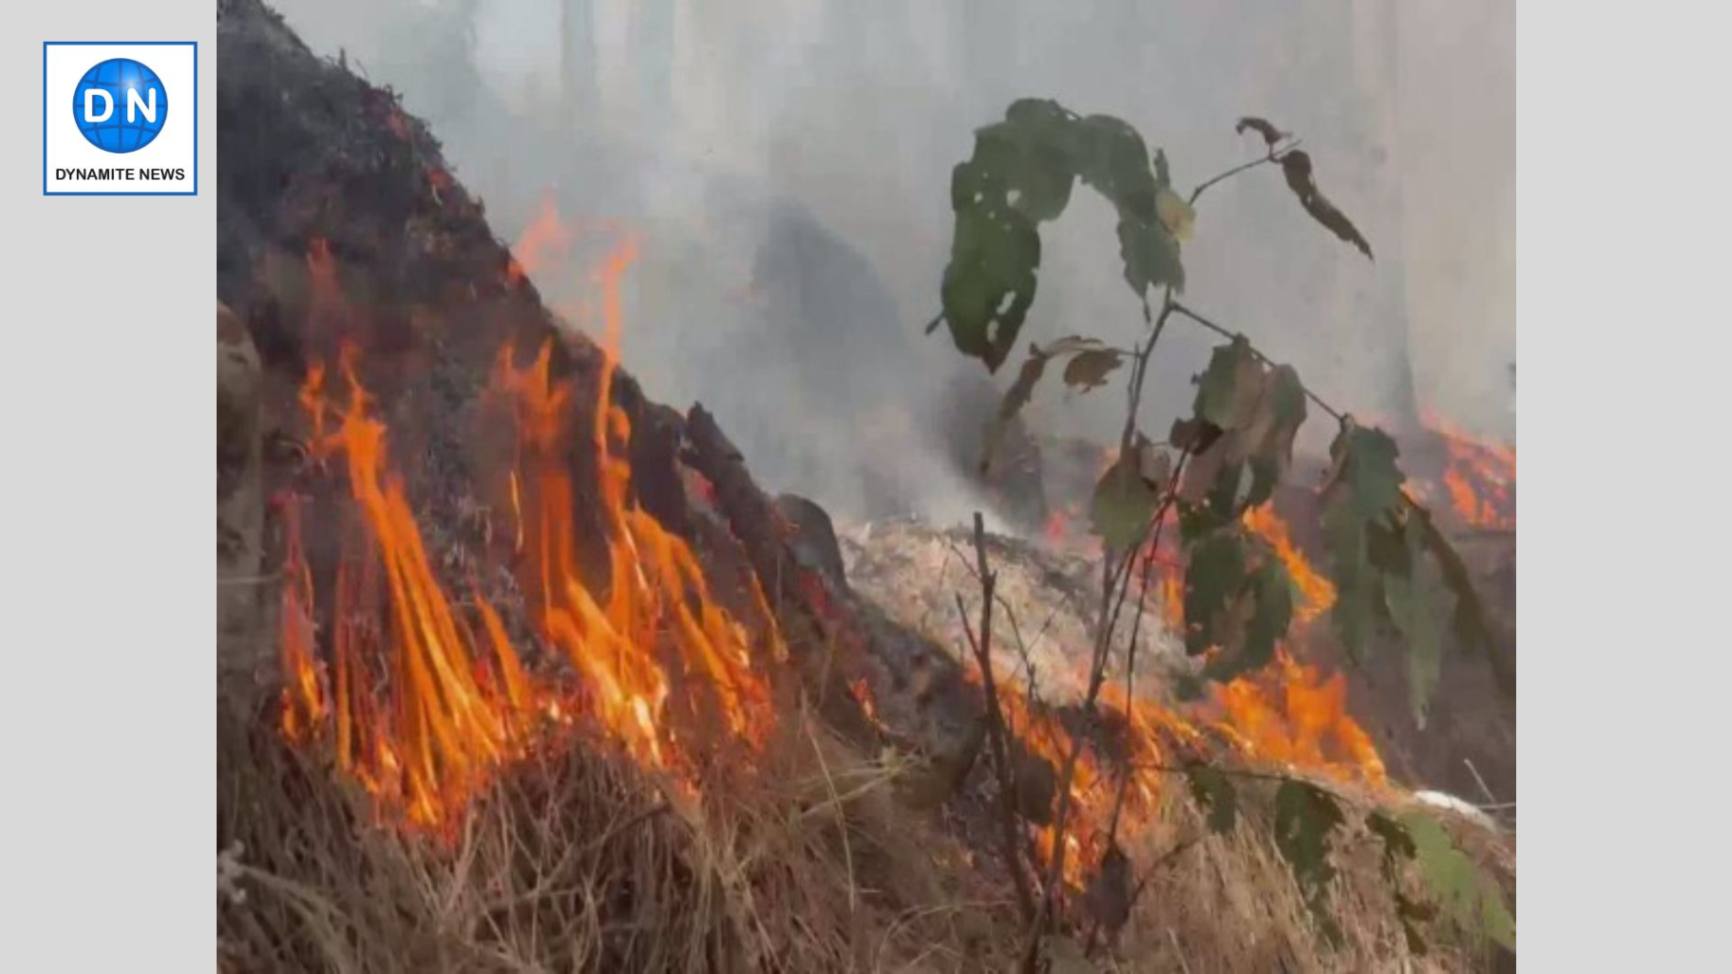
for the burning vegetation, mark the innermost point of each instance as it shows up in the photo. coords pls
(539, 678)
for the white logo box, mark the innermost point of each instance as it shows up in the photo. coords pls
(64, 64)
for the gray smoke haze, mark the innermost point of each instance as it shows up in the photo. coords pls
(786, 164)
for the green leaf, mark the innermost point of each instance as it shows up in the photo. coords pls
(1021, 174)
(1305, 815)
(1238, 602)
(1415, 602)
(1360, 530)
(1364, 468)
(1214, 791)
(1471, 897)
(1123, 503)
(1470, 621)
(1214, 576)
(1358, 586)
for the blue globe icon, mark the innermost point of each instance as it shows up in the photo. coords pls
(120, 105)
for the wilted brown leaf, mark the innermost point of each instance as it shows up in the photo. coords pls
(1296, 166)
(1271, 135)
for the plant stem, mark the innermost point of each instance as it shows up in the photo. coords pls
(997, 732)
(1236, 170)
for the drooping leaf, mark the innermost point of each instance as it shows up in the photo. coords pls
(1214, 792)
(1123, 503)
(1238, 602)
(1021, 174)
(1214, 577)
(1416, 606)
(1305, 815)
(1358, 585)
(1258, 411)
(1365, 469)
(1229, 388)
(1271, 135)
(1470, 621)
(1471, 897)
(1089, 370)
(1296, 166)
(990, 281)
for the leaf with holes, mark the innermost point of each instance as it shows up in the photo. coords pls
(1020, 175)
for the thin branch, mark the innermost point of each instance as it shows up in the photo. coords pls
(996, 729)
(1236, 170)
(1115, 575)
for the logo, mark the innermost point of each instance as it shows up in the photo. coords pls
(120, 105)
(132, 128)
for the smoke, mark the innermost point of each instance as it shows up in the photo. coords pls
(787, 163)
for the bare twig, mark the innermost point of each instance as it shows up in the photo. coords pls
(1483, 787)
(997, 736)
(1115, 579)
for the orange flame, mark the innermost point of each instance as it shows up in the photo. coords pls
(1316, 592)
(545, 239)
(424, 704)
(1479, 477)
(1291, 715)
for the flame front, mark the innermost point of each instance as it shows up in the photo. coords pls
(1478, 478)
(422, 703)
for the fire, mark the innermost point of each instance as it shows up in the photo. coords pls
(1290, 714)
(545, 239)
(1479, 477)
(423, 703)
(1316, 592)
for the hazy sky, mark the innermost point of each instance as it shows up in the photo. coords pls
(699, 122)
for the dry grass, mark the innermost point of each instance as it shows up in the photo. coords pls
(578, 862)
(1229, 903)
